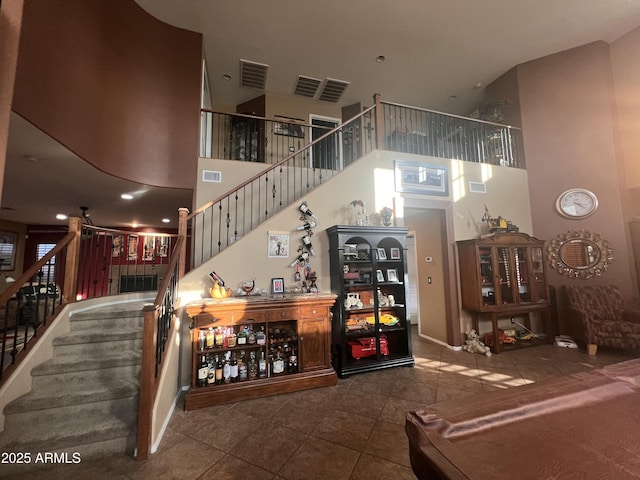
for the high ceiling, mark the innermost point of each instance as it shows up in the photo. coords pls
(439, 54)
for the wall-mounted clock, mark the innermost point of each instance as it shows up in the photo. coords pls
(577, 203)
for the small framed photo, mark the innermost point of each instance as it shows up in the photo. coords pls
(382, 254)
(392, 275)
(277, 286)
(395, 253)
(379, 275)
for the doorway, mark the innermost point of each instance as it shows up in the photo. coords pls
(327, 152)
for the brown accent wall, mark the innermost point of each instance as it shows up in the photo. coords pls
(10, 19)
(570, 128)
(114, 85)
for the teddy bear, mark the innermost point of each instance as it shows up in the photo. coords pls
(474, 345)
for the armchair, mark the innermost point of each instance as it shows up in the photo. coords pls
(598, 317)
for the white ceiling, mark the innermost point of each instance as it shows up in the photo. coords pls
(434, 49)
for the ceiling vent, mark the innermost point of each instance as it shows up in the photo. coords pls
(253, 75)
(333, 90)
(307, 86)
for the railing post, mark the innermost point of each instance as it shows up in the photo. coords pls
(379, 122)
(182, 232)
(72, 262)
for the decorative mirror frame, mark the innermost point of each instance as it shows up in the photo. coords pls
(582, 273)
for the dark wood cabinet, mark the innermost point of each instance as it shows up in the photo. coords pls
(370, 328)
(503, 275)
(298, 323)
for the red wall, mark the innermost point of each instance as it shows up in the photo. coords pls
(114, 85)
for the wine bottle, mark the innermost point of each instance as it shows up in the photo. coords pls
(252, 368)
(293, 362)
(304, 208)
(219, 368)
(242, 367)
(234, 368)
(278, 364)
(262, 366)
(211, 378)
(226, 369)
(302, 258)
(217, 278)
(307, 226)
(307, 243)
(203, 371)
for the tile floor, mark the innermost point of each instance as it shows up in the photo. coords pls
(352, 431)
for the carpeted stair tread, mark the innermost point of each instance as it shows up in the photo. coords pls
(97, 336)
(135, 310)
(87, 392)
(77, 430)
(68, 364)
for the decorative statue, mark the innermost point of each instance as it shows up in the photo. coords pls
(385, 215)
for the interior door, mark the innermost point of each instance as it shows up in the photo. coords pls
(325, 153)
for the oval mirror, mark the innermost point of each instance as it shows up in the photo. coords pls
(579, 254)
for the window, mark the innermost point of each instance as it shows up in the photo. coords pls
(49, 269)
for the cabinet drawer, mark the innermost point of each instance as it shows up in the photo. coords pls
(283, 314)
(249, 317)
(313, 312)
(228, 318)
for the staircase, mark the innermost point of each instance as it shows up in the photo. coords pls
(85, 399)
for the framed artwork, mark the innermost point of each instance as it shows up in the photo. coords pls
(288, 129)
(117, 246)
(379, 276)
(277, 286)
(278, 244)
(382, 254)
(163, 246)
(132, 247)
(8, 244)
(392, 275)
(416, 177)
(395, 253)
(148, 248)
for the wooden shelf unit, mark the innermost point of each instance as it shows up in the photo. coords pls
(308, 315)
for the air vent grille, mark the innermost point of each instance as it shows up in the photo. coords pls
(307, 86)
(253, 75)
(477, 187)
(211, 176)
(332, 90)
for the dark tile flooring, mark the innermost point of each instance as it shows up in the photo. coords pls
(352, 431)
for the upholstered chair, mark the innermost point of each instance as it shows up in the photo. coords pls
(598, 317)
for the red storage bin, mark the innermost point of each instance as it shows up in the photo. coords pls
(366, 347)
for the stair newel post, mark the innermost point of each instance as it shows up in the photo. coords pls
(72, 262)
(379, 117)
(147, 382)
(182, 232)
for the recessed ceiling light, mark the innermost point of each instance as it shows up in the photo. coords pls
(380, 58)
(453, 98)
(477, 85)
(126, 196)
(61, 216)
(166, 220)
(29, 158)
(134, 224)
(226, 76)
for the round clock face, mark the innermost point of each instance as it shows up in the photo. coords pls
(577, 203)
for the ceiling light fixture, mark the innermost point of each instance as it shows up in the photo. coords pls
(126, 196)
(166, 220)
(61, 216)
(226, 76)
(453, 98)
(380, 58)
(134, 224)
(477, 85)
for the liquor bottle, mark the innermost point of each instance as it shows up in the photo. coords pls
(241, 339)
(226, 372)
(304, 208)
(219, 368)
(293, 362)
(242, 367)
(202, 340)
(261, 336)
(209, 338)
(251, 337)
(219, 337)
(252, 368)
(262, 366)
(211, 379)
(234, 368)
(231, 338)
(203, 371)
(278, 364)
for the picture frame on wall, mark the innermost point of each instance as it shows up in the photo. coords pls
(8, 242)
(132, 247)
(422, 178)
(277, 286)
(278, 244)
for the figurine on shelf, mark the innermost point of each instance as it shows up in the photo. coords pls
(358, 213)
(385, 216)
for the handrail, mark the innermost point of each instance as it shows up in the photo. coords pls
(158, 328)
(273, 166)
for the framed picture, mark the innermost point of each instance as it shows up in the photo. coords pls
(379, 276)
(163, 246)
(117, 246)
(132, 248)
(277, 286)
(416, 177)
(8, 242)
(395, 253)
(288, 129)
(278, 245)
(392, 275)
(382, 254)
(149, 248)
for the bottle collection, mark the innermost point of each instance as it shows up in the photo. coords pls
(238, 365)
